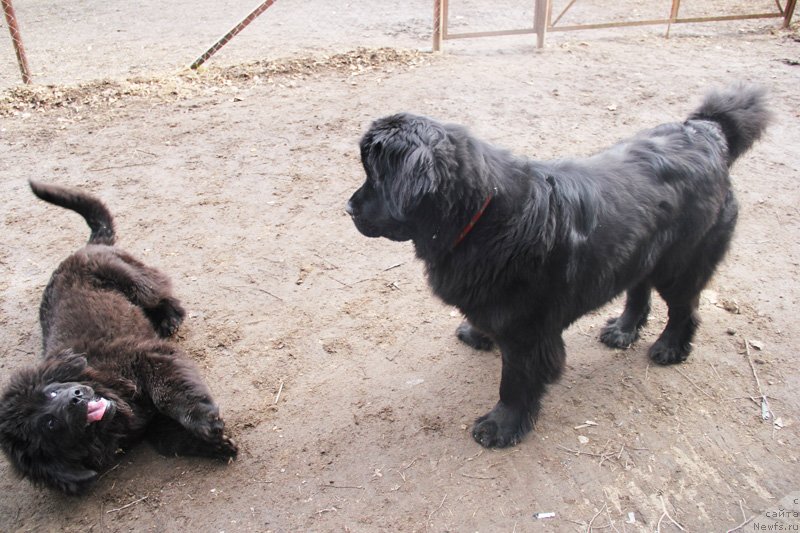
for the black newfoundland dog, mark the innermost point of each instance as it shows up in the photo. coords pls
(524, 248)
(108, 376)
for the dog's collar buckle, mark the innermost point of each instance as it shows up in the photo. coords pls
(475, 218)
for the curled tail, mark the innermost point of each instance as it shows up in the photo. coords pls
(90, 208)
(741, 111)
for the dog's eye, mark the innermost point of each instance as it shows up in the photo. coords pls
(53, 394)
(50, 423)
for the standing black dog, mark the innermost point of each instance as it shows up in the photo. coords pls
(524, 248)
(108, 376)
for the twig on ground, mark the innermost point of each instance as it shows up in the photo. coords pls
(437, 509)
(695, 385)
(394, 266)
(740, 526)
(666, 514)
(589, 527)
(278, 396)
(126, 506)
(473, 476)
(265, 291)
(744, 518)
(767, 413)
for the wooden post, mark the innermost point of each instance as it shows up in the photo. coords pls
(673, 15)
(437, 25)
(540, 16)
(788, 12)
(16, 39)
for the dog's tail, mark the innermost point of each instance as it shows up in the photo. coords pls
(742, 113)
(90, 208)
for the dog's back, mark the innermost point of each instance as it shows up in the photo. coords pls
(85, 300)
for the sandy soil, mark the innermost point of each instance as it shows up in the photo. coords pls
(337, 371)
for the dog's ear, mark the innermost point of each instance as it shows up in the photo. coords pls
(69, 478)
(415, 178)
(63, 367)
(25, 452)
(422, 166)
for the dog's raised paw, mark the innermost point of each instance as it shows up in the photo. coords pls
(472, 337)
(167, 317)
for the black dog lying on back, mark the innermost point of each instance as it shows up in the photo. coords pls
(524, 248)
(108, 376)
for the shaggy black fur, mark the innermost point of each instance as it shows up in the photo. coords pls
(559, 238)
(108, 376)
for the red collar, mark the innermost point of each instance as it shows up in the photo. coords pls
(471, 224)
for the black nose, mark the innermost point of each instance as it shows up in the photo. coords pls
(349, 208)
(76, 395)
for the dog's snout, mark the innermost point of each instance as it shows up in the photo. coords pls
(79, 394)
(349, 208)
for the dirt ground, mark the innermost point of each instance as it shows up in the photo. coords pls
(336, 370)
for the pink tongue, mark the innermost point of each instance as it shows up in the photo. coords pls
(96, 410)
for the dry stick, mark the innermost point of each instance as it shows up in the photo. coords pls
(758, 382)
(437, 509)
(740, 526)
(589, 527)
(472, 476)
(393, 266)
(744, 516)
(278, 396)
(126, 506)
(664, 506)
(695, 385)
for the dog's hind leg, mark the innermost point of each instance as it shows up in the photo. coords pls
(471, 336)
(144, 286)
(682, 292)
(622, 331)
(178, 392)
(170, 438)
(528, 366)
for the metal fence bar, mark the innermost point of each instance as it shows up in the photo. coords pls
(16, 39)
(542, 16)
(231, 34)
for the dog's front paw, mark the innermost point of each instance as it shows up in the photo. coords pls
(226, 449)
(470, 336)
(204, 421)
(665, 352)
(501, 427)
(167, 317)
(614, 335)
